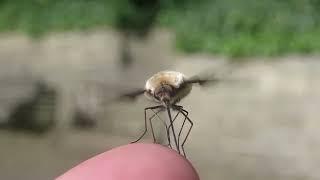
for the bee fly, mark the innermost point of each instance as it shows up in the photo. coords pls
(167, 88)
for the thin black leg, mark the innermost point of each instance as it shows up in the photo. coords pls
(150, 121)
(184, 112)
(165, 124)
(174, 134)
(145, 122)
(184, 121)
(178, 108)
(175, 108)
(175, 117)
(168, 129)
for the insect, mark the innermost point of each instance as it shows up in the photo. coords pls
(166, 89)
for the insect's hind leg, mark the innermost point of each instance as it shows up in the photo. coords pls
(185, 114)
(172, 128)
(168, 129)
(177, 108)
(184, 121)
(145, 122)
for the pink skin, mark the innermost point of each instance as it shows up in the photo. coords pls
(139, 161)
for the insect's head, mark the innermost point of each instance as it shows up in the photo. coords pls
(163, 93)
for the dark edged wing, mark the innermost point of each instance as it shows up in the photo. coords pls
(131, 95)
(212, 76)
(202, 81)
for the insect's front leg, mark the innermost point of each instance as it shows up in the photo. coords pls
(145, 122)
(165, 124)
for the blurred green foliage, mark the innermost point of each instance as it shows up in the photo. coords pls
(136, 16)
(39, 16)
(229, 27)
(246, 27)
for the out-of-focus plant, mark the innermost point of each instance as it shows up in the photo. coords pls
(229, 27)
(246, 27)
(134, 18)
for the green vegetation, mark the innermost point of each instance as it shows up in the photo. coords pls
(39, 16)
(228, 27)
(247, 27)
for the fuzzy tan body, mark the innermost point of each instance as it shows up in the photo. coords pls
(172, 78)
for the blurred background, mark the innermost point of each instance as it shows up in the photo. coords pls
(64, 61)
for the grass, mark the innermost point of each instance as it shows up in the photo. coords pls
(234, 28)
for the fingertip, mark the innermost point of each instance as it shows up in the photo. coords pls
(137, 161)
